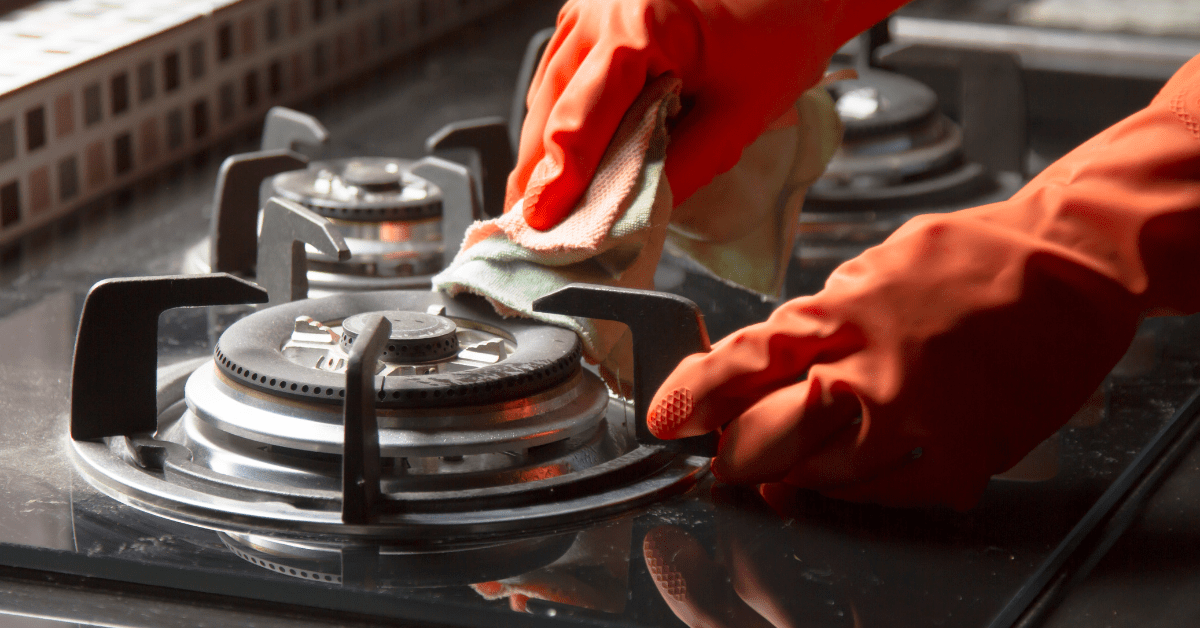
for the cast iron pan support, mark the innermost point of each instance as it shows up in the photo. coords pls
(666, 328)
(994, 110)
(235, 207)
(992, 103)
(529, 63)
(114, 371)
(460, 203)
(285, 128)
(494, 139)
(361, 465)
(488, 137)
(282, 263)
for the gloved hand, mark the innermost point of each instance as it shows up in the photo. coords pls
(743, 63)
(940, 357)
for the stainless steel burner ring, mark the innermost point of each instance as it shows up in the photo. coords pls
(294, 495)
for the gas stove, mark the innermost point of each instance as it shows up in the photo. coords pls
(269, 438)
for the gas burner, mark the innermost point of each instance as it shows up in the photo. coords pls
(477, 427)
(396, 215)
(391, 219)
(536, 394)
(898, 151)
(900, 157)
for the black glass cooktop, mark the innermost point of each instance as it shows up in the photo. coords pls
(716, 555)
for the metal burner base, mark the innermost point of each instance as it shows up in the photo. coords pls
(161, 478)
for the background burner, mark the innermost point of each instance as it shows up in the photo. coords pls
(898, 150)
(391, 218)
(396, 215)
(901, 157)
(361, 189)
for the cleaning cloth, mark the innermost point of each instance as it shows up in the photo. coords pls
(613, 237)
(740, 227)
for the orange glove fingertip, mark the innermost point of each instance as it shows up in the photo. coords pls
(670, 412)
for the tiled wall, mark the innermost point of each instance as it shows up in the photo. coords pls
(80, 132)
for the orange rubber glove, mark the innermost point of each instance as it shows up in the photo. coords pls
(743, 64)
(940, 357)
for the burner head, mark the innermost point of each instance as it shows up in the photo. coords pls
(372, 175)
(899, 157)
(361, 189)
(882, 103)
(416, 337)
(898, 151)
(440, 353)
(391, 219)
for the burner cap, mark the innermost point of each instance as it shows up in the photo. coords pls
(361, 189)
(416, 337)
(881, 103)
(374, 175)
